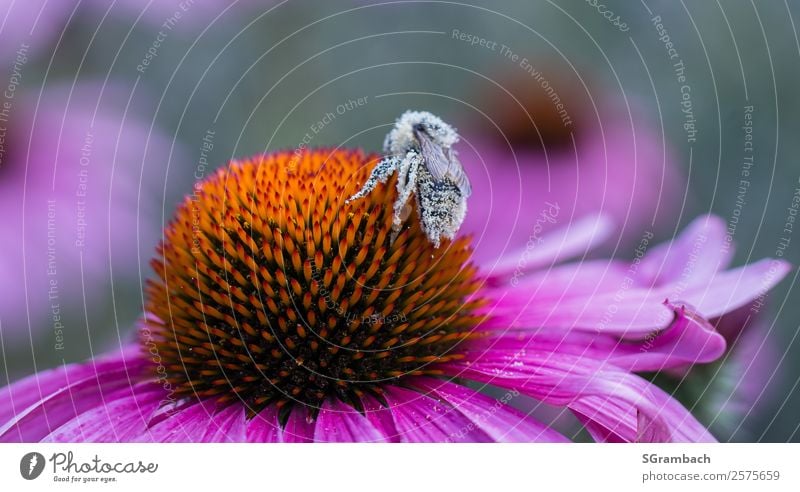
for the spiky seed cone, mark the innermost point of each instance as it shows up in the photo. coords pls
(272, 289)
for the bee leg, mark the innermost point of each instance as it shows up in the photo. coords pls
(380, 174)
(406, 184)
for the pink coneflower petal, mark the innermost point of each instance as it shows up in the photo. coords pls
(648, 430)
(15, 398)
(205, 421)
(562, 379)
(226, 425)
(122, 418)
(420, 418)
(338, 422)
(585, 277)
(634, 311)
(300, 427)
(576, 238)
(689, 339)
(376, 413)
(38, 420)
(699, 251)
(187, 424)
(640, 313)
(600, 417)
(264, 427)
(498, 420)
(730, 290)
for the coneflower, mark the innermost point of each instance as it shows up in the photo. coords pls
(283, 312)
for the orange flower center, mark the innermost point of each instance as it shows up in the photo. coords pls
(272, 289)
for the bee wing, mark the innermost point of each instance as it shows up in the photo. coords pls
(441, 164)
(456, 172)
(433, 156)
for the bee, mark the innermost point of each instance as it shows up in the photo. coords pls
(419, 149)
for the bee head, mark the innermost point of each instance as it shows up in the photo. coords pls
(403, 136)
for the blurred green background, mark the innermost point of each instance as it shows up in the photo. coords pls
(259, 74)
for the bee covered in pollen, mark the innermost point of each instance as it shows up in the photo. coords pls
(420, 150)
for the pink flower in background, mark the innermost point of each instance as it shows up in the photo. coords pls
(29, 27)
(171, 16)
(282, 313)
(553, 142)
(72, 168)
(73, 175)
